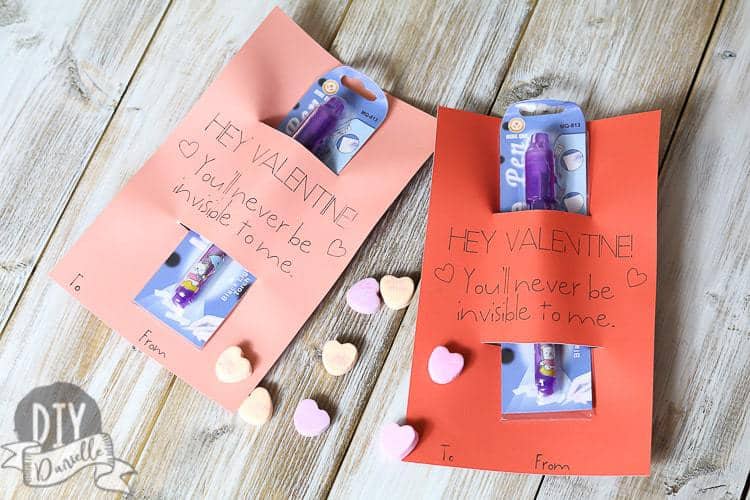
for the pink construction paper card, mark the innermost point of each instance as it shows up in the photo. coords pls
(228, 174)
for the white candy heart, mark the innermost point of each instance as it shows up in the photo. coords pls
(232, 366)
(338, 358)
(396, 292)
(257, 408)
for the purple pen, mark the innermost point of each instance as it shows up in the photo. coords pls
(320, 124)
(200, 272)
(540, 174)
(540, 194)
(545, 368)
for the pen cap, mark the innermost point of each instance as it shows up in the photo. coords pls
(196, 277)
(540, 173)
(320, 124)
(545, 368)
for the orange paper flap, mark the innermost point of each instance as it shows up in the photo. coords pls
(538, 276)
(542, 276)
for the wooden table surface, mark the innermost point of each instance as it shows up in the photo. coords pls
(90, 88)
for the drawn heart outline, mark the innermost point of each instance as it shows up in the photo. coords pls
(635, 278)
(336, 248)
(188, 148)
(445, 273)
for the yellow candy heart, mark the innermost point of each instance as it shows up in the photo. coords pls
(338, 358)
(257, 408)
(232, 366)
(396, 292)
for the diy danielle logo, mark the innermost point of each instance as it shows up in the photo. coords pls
(59, 431)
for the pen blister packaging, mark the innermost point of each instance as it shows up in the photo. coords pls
(527, 369)
(543, 167)
(195, 289)
(546, 132)
(337, 115)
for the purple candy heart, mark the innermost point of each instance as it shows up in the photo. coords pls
(444, 366)
(397, 441)
(309, 420)
(363, 296)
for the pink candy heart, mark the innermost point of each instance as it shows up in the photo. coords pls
(363, 296)
(309, 420)
(397, 441)
(444, 366)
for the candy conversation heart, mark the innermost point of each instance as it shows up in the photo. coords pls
(444, 366)
(232, 366)
(396, 292)
(397, 441)
(257, 407)
(309, 420)
(338, 358)
(363, 296)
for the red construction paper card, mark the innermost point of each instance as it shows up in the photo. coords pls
(228, 174)
(538, 276)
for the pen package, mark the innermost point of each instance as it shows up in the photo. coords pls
(195, 289)
(543, 167)
(543, 132)
(336, 116)
(550, 380)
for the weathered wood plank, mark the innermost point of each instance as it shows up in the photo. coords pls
(65, 67)
(701, 396)
(52, 338)
(568, 69)
(365, 473)
(385, 40)
(612, 58)
(202, 438)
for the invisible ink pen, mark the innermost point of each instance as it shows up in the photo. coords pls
(540, 195)
(320, 124)
(200, 272)
(540, 174)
